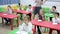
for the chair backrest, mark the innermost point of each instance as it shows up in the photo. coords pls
(2, 9)
(46, 9)
(14, 7)
(13, 31)
(25, 7)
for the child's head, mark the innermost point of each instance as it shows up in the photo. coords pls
(19, 4)
(41, 12)
(26, 19)
(9, 6)
(56, 15)
(29, 6)
(53, 7)
(36, 16)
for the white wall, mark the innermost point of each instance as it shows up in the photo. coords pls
(50, 4)
(27, 2)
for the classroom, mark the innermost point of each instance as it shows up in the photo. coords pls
(29, 16)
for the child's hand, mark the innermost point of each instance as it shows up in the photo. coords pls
(19, 22)
(36, 16)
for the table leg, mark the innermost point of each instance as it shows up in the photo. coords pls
(17, 22)
(34, 30)
(58, 32)
(2, 21)
(50, 31)
(11, 24)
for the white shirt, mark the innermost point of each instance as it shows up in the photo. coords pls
(29, 10)
(55, 20)
(26, 28)
(9, 11)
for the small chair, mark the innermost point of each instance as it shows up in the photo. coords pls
(13, 31)
(2, 9)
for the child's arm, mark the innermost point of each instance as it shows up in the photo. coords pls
(43, 18)
(53, 20)
(30, 28)
(21, 27)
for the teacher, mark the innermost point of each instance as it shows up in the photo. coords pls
(37, 9)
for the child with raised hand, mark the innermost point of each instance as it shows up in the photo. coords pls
(26, 26)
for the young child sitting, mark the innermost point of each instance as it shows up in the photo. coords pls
(56, 18)
(26, 26)
(53, 10)
(29, 9)
(9, 11)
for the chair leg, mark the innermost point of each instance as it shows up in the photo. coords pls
(34, 30)
(58, 32)
(50, 31)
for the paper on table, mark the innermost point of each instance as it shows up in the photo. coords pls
(39, 20)
(21, 32)
(55, 23)
(4, 14)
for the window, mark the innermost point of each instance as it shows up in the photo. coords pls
(4, 2)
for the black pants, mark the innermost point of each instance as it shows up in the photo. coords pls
(39, 32)
(51, 18)
(36, 11)
(21, 16)
(7, 20)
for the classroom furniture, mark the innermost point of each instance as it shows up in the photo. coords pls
(48, 15)
(2, 9)
(11, 17)
(47, 24)
(46, 9)
(23, 12)
(13, 31)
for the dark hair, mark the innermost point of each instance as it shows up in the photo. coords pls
(57, 13)
(54, 7)
(9, 6)
(27, 17)
(19, 4)
(29, 4)
(41, 0)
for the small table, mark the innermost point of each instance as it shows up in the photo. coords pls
(23, 12)
(47, 25)
(10, 16)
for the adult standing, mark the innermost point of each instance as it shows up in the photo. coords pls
(37, 9)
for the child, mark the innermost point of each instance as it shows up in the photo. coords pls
(41, 17)
(9, 11)
(29, 9)
(26, 25)
(36, 16)
(56, 18)
(53, 9)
